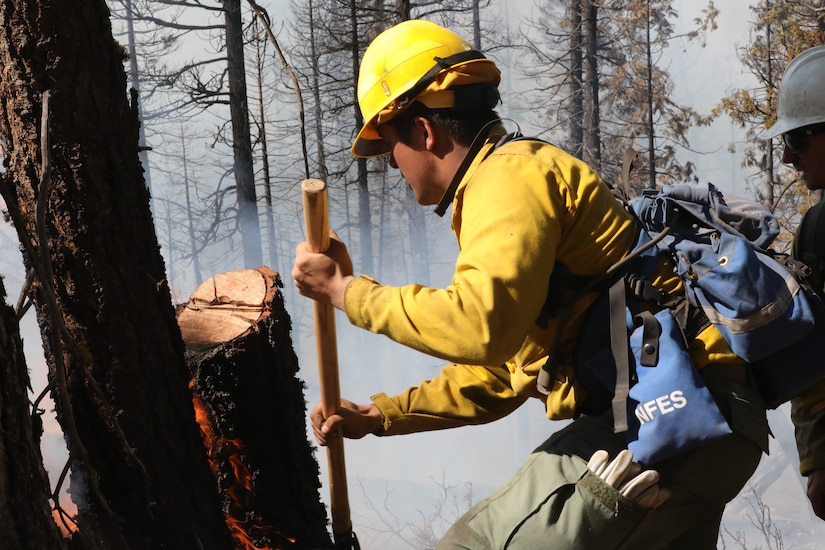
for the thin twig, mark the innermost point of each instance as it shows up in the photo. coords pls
(264, 19)
(22, 304)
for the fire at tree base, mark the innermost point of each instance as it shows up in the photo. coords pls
(251, 409)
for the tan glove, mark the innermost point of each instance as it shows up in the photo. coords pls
(626, 476)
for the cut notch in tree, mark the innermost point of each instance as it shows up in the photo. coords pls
(224, 308)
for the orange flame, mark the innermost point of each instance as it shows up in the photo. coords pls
(64, 519)
(240, 489)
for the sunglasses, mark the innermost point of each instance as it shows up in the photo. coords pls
(797, 140)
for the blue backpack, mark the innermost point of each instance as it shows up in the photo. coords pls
(632, 349)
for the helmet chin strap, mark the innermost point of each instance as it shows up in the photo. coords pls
(476, 145)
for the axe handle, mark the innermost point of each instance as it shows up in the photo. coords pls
(316, 217)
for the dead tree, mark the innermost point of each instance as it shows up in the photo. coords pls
(77, 198)
(252, 409)
(25, 519)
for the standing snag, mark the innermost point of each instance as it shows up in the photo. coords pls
(252, 411)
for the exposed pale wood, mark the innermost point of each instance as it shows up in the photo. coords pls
(223, 308)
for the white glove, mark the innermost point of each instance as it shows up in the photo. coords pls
(626, 476)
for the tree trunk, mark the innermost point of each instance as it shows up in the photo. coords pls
(651, 127)
(25, 520)
(576, 81)
(364, 212)
(241, 140)
(252, 409)
(315, 86)
(140, 477)
(592, 153)
(419, 249)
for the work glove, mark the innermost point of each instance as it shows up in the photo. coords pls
(626, 476)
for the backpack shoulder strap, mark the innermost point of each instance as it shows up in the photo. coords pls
(809, 243)
(624, 189)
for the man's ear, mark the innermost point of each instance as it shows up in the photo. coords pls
(427, 131)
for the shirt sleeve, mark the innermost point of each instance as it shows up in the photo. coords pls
(461, 395)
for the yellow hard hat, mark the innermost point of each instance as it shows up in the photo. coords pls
(418, 60)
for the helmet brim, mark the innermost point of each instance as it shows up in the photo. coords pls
(783, 126)
(369, 143)
(769, 134)
(776, 130)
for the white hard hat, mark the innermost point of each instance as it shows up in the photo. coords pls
(801, 100)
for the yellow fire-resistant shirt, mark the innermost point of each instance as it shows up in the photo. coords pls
(516, 212)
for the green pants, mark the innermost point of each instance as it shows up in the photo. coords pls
(555, 502)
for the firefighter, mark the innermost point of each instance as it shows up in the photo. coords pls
(801, 125)
(522, 210)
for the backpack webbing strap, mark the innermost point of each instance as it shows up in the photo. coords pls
(624, 190)
(547, 375)
(649, 354)
(621, 354)
(809, 244)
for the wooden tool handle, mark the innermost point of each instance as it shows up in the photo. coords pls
(316, 214)
(316, 218)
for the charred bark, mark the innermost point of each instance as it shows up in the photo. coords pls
(243, 366)
(80, 206)
(25, 520)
